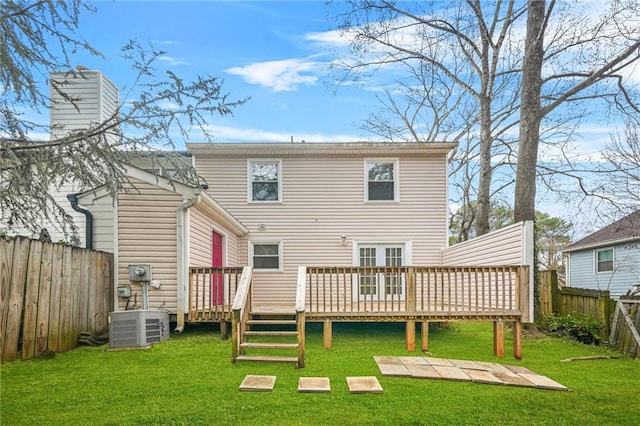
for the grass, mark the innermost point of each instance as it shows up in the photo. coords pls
(190, 380)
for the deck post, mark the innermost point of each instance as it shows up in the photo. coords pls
(300, 326)
(498, 338)
(517, 339)
(224, 330)
(411, 335)
(425, 335)
(327, 330)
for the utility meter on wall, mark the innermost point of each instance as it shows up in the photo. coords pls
(140, 273)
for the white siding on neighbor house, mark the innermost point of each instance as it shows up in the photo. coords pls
(102, 208)
(582, 273)
(201, 227)
(322, 199)
(95, 99)
(147, 234)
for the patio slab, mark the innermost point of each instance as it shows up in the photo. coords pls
(439, 361)
(413, 360)
(395, 370)
(252, 383)
(423, 372)
(314, 385)
(513, 379)
(452, 373)
(543, 382)
(482, 376)
(387, 360)
(364, 384)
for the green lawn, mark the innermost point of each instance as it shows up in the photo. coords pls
(190, 380)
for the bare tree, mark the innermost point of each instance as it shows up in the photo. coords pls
(41, 36)
(623, 159)
(463, 83)
(587, 59)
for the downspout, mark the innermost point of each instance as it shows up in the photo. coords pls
(182, 272)
(73, 199)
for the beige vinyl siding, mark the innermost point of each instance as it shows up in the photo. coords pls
(200, 240)
(323, 198)
(147, 234)
(501, 247)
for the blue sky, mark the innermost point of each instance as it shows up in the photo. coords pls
(262, 50)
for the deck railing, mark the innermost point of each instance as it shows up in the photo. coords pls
(407, 290)
(211, 293)
(241, 310)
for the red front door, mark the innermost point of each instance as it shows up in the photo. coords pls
(217, 280)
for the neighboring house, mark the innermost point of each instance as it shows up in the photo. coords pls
(95, 99)
(608, 259)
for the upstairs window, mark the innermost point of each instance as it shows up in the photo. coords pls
(264, 181)
(381, 180)
(604, 260)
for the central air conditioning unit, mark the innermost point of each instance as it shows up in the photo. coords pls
(134, 329)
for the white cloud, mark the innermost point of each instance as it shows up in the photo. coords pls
(235, 134)
(281, 76)
(171, 60)
(168, 42)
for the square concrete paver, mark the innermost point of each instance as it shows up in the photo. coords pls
(513, 379)
(519, 370)
(544, 382)
(423, 372)
(413, 360)
(482, 376)
(439, 361)
(314, 385)
(452, 373)
(467, 365)
(493, 367)
(364, 384)
(387, 360)
(258, 383)
(396, 370)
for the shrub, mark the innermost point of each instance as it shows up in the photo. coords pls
(582, 328)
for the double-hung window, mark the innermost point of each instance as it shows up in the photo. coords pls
(604, 260)
(264, 181)
(266, 255)
(381, 180)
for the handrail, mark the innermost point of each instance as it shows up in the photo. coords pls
(240, 311)
(301, 289)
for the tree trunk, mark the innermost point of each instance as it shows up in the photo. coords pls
(530, 113)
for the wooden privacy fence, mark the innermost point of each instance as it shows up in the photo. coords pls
(625, 326)
(574, 301)
(49, 294)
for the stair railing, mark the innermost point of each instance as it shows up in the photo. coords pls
(301, 296)
(241, 310)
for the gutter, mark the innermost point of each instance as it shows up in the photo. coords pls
(73, 199)
(182, 272)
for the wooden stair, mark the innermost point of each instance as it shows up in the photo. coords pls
(268, 332)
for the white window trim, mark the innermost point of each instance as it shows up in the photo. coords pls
(396, 179)
(595, 260)
(280, 254)
(250, 180)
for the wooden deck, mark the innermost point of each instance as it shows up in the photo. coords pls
(362, 294)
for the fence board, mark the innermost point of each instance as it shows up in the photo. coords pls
(30, 322)
(16, 299)
(6, 254)
(44, 296)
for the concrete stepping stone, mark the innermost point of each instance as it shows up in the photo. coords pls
(519, 370)
(314, 385)
(452, 373)
(543, 382)
(387, 360)
(439, 361)
(364, 384)
(423, 372)
(413, 360)
(493, 367)
(482, 376)
(467, 365)
(394, 370)
(513, 379)
(253, 383)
